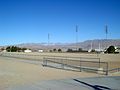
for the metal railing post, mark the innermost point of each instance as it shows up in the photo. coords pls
(107, 68)
(62, 66)
(44, 62)
(99, 62)
(80, 65)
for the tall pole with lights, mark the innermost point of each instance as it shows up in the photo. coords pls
(48, 39)
(76, 36)
(106, 32)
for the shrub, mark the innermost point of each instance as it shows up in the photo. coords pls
(59, 50)
(69, 50)
(54, 50)
(111, 49)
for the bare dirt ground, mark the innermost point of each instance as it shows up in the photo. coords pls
(112, 59)
(15, 73)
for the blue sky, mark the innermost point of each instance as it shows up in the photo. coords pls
(30, 21)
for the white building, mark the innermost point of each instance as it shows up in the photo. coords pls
(27, 51)
(40, 50)
(117, 49)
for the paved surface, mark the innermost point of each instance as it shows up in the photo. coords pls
(113, 83)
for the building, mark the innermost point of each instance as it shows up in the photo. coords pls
(28, 51)
(40, 50)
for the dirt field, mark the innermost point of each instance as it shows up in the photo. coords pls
(112, 59)
(14, 72)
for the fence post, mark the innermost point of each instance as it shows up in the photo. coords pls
(62, 65)
(44, 62)
(107, 68)
(80, 65)
(99, 62)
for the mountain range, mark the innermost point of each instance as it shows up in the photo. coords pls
(86, 45)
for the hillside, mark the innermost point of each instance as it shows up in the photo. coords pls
(95, 44)
(85, 45)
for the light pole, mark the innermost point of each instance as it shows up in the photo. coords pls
(91, 45)
(106, 32)
(76, 36)
(48, 39)
(48, 42)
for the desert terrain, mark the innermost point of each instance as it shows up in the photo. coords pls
(18, 69)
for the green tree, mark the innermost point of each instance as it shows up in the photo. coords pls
(50, 51)
(93, 50)
(23, 49)
(80, 50)
(8, 49)
(54, 49)
(14, 49)
(69, 50)
(59, 50)
(111, 49)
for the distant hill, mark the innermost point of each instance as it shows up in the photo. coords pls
(102, 43)
(85, 45)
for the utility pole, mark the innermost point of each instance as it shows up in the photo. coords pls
(48, 42)
(91, 45)
(106, 32)
(48, 39)
(99, 47)
(76, 36)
